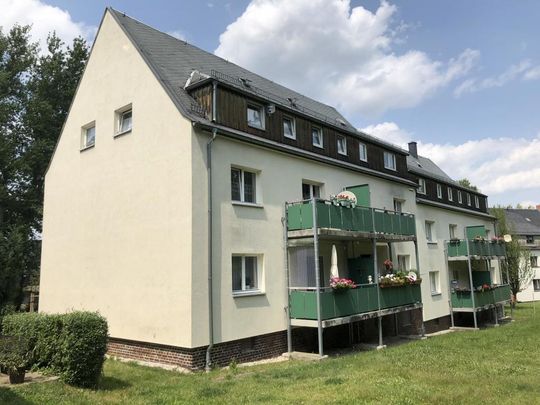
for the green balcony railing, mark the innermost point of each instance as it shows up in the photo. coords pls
(458, 248)
(360, 219)
(463, 299)
(303, 304)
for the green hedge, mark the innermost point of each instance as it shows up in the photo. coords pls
(72, 345)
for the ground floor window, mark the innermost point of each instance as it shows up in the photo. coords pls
(536, 284)
(245, 273)
(434, 282)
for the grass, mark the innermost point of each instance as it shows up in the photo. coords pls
(496, 365)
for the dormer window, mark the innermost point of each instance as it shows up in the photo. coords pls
(450, 195)
(476, 201)
(255, 116)
(245, 82)
(459, 197)
(468, 199)
(389, 161)
(342, 145)
(362, 152)
(289, 128)
(317, 137)
(439, 191)
(292, 101)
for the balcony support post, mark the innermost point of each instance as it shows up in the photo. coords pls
(449, 286)
(376, 274)
(471, 285)
(317, 277)
(287, 291)
(417, 257)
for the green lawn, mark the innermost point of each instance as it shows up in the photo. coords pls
(497, 365)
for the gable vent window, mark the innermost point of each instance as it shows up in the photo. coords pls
(342, 145)
(317, 137)
(389, 161)
(255, 116)
(289, 128)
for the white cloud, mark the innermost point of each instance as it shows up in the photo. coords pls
(506, 169)
(177, 34)
(337, 53)
(523, 70)
(44, 19)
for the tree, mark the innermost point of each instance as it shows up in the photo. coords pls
(467, 184)
(35, 94)
(517, 266)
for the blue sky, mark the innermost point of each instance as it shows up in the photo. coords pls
(461, 77)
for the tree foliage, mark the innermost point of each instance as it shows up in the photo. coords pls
(35, 93)
(517, 266)
(467, 184)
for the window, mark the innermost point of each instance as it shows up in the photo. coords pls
(534, 261)
(422, 188)
(530, 239)
(403, 262)
(468, 199)
(125, 121)
(398, 205)
(342, 145)
(88, 136)
(452, 230)
(459, 197)
(450, 195)
(310, 190)
(536, 284)
(289, 128)
(243, 185)
(362, 152)
(439, 191)
(434, 282)
(430, 225)
(245, 274)
(476, 201)
(389, 161)
(255, 116)
(317, 137)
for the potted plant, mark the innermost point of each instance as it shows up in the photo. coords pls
(341, 284)
(388, 265)
(14, 357)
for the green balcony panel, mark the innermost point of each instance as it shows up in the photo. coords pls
(462, 299)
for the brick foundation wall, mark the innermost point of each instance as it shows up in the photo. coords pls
(243, 350)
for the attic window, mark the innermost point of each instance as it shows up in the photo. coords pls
(245, 82)
(528, 219)
(341, 122)
(292, 101)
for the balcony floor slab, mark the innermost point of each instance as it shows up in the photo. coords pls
(330, 233)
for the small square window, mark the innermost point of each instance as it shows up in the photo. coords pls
(439, 191)
(530, 239)
(422, 188)
(243, 186)
(255, 116)
(88, 138)
(450, 195)
(310, 191)
(125, 122)
(289, 128)
(317, 137)
(245, 274)
(342, 145)
(434, 282)
(362, 152)
(389, 161)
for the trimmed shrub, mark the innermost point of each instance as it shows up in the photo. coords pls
(72, 345)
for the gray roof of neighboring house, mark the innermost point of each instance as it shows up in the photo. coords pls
(173, 61)
(523, 221)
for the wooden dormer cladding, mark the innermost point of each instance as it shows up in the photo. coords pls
(231, 112)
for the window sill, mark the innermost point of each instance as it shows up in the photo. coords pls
(247, 204)
(436, 294)
(432, 243)
(256, 127)
(292, 138)
(85, 148)
(319, 146)
(363, 160)
(342, 154)
(119, 134)
(249, 293)
(391, 168)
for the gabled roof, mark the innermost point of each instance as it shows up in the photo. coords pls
(523, 221)
(173, 61)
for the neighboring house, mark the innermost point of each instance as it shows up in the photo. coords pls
(170, 209)
(525, 225)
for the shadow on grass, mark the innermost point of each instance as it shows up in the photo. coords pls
(8, 396)
(108, 383)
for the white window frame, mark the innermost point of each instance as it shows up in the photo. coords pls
(391, 158)
(536, 284)
(84, 135)
(312, 187)
(469, 203)
(435, 282)
(422, 184)
(431, 226)
(439, 191)
(362, 150)
(399, 201)
(459, 197)
(321, 138)
(119, 119)
(450, 194)
(343, 150)
(258, 271)
(261, 109)
(242, 194)
(476, 201)
(293, 127)
(452, 231)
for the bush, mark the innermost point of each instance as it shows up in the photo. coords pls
(72, 345)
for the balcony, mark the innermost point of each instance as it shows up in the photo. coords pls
(358, 219)
(482, 299)
(478, 248)
(358, 301)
